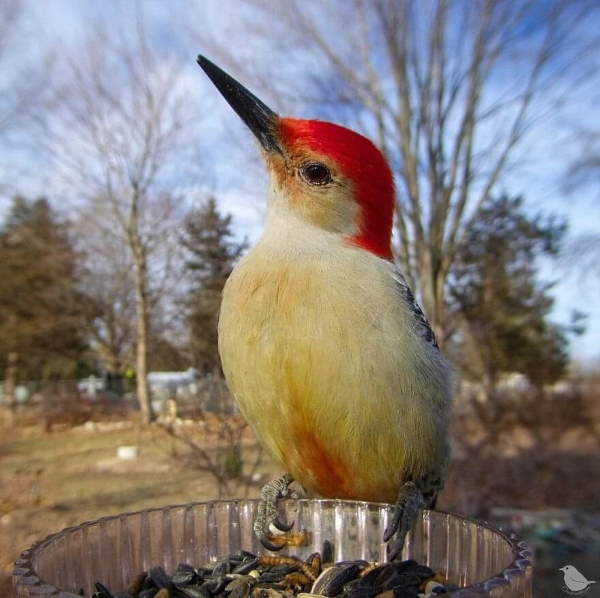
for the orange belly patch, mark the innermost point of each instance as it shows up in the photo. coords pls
(316, 469)
(306, 456)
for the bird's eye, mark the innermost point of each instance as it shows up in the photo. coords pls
(316, 173)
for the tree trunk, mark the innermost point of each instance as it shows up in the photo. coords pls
(10, 383)
(441, 324)
(141, 300)
(432, 289)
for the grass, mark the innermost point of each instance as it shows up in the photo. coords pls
(49, 481)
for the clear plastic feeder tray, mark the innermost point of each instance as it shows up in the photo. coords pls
(479, 559)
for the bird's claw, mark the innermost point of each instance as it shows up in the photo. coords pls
(410, 500)
(282, 526)
(267, 524)
(265, 540)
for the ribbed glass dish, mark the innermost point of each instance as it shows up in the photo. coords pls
(113, 550)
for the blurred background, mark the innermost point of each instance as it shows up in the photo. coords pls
(128, 190)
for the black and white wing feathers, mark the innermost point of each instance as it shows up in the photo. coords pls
(407, 295)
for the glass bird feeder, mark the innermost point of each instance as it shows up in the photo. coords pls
(478, 559)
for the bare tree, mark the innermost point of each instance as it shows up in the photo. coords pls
(107, 282)
(583, 173)
(517, 439)
(585, 169)
(121, 144)
(448, 89)
(24, 78)
(220, 444)
(9, 16)
(18, 92)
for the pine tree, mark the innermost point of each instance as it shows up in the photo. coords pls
(41, 310)
(505, 309)
(212, 254)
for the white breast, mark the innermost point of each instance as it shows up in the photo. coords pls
(313, 333)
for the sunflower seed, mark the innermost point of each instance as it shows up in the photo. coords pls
(246, 575)
(246, 566)
(332, 580)
(158, 576)
(102, 592)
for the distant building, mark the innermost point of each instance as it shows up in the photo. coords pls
(22, 394)
(181, 386)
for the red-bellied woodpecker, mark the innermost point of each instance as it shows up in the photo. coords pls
(323, 346)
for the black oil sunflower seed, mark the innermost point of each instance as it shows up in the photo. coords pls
(158, 576)
(102, 592)
(358, 591)
(333, 579)
(214, 585)
(191, 592)
(222, 568)
(327, 552)
(184, 578)
(359, 562)
(246, 566)
(239, 588)
(369, 579)
(391, 577)
(243, 575)
(423, 572)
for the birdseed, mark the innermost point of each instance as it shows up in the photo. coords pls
(246, 575)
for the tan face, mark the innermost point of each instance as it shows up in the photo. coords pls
(307, 158)
(312, 186)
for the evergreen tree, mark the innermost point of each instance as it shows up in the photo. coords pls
(504, 307)
(41, 310)
(212, 254)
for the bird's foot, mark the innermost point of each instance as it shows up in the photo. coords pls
(268, 528)
(410, 500)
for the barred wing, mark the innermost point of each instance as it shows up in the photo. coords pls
(415, 309)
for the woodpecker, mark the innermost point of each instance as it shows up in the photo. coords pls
(322, 344)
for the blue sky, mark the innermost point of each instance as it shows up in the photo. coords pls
(177, 27)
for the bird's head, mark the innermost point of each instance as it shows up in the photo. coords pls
(327, 174)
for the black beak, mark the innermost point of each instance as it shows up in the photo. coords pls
(261, 120)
